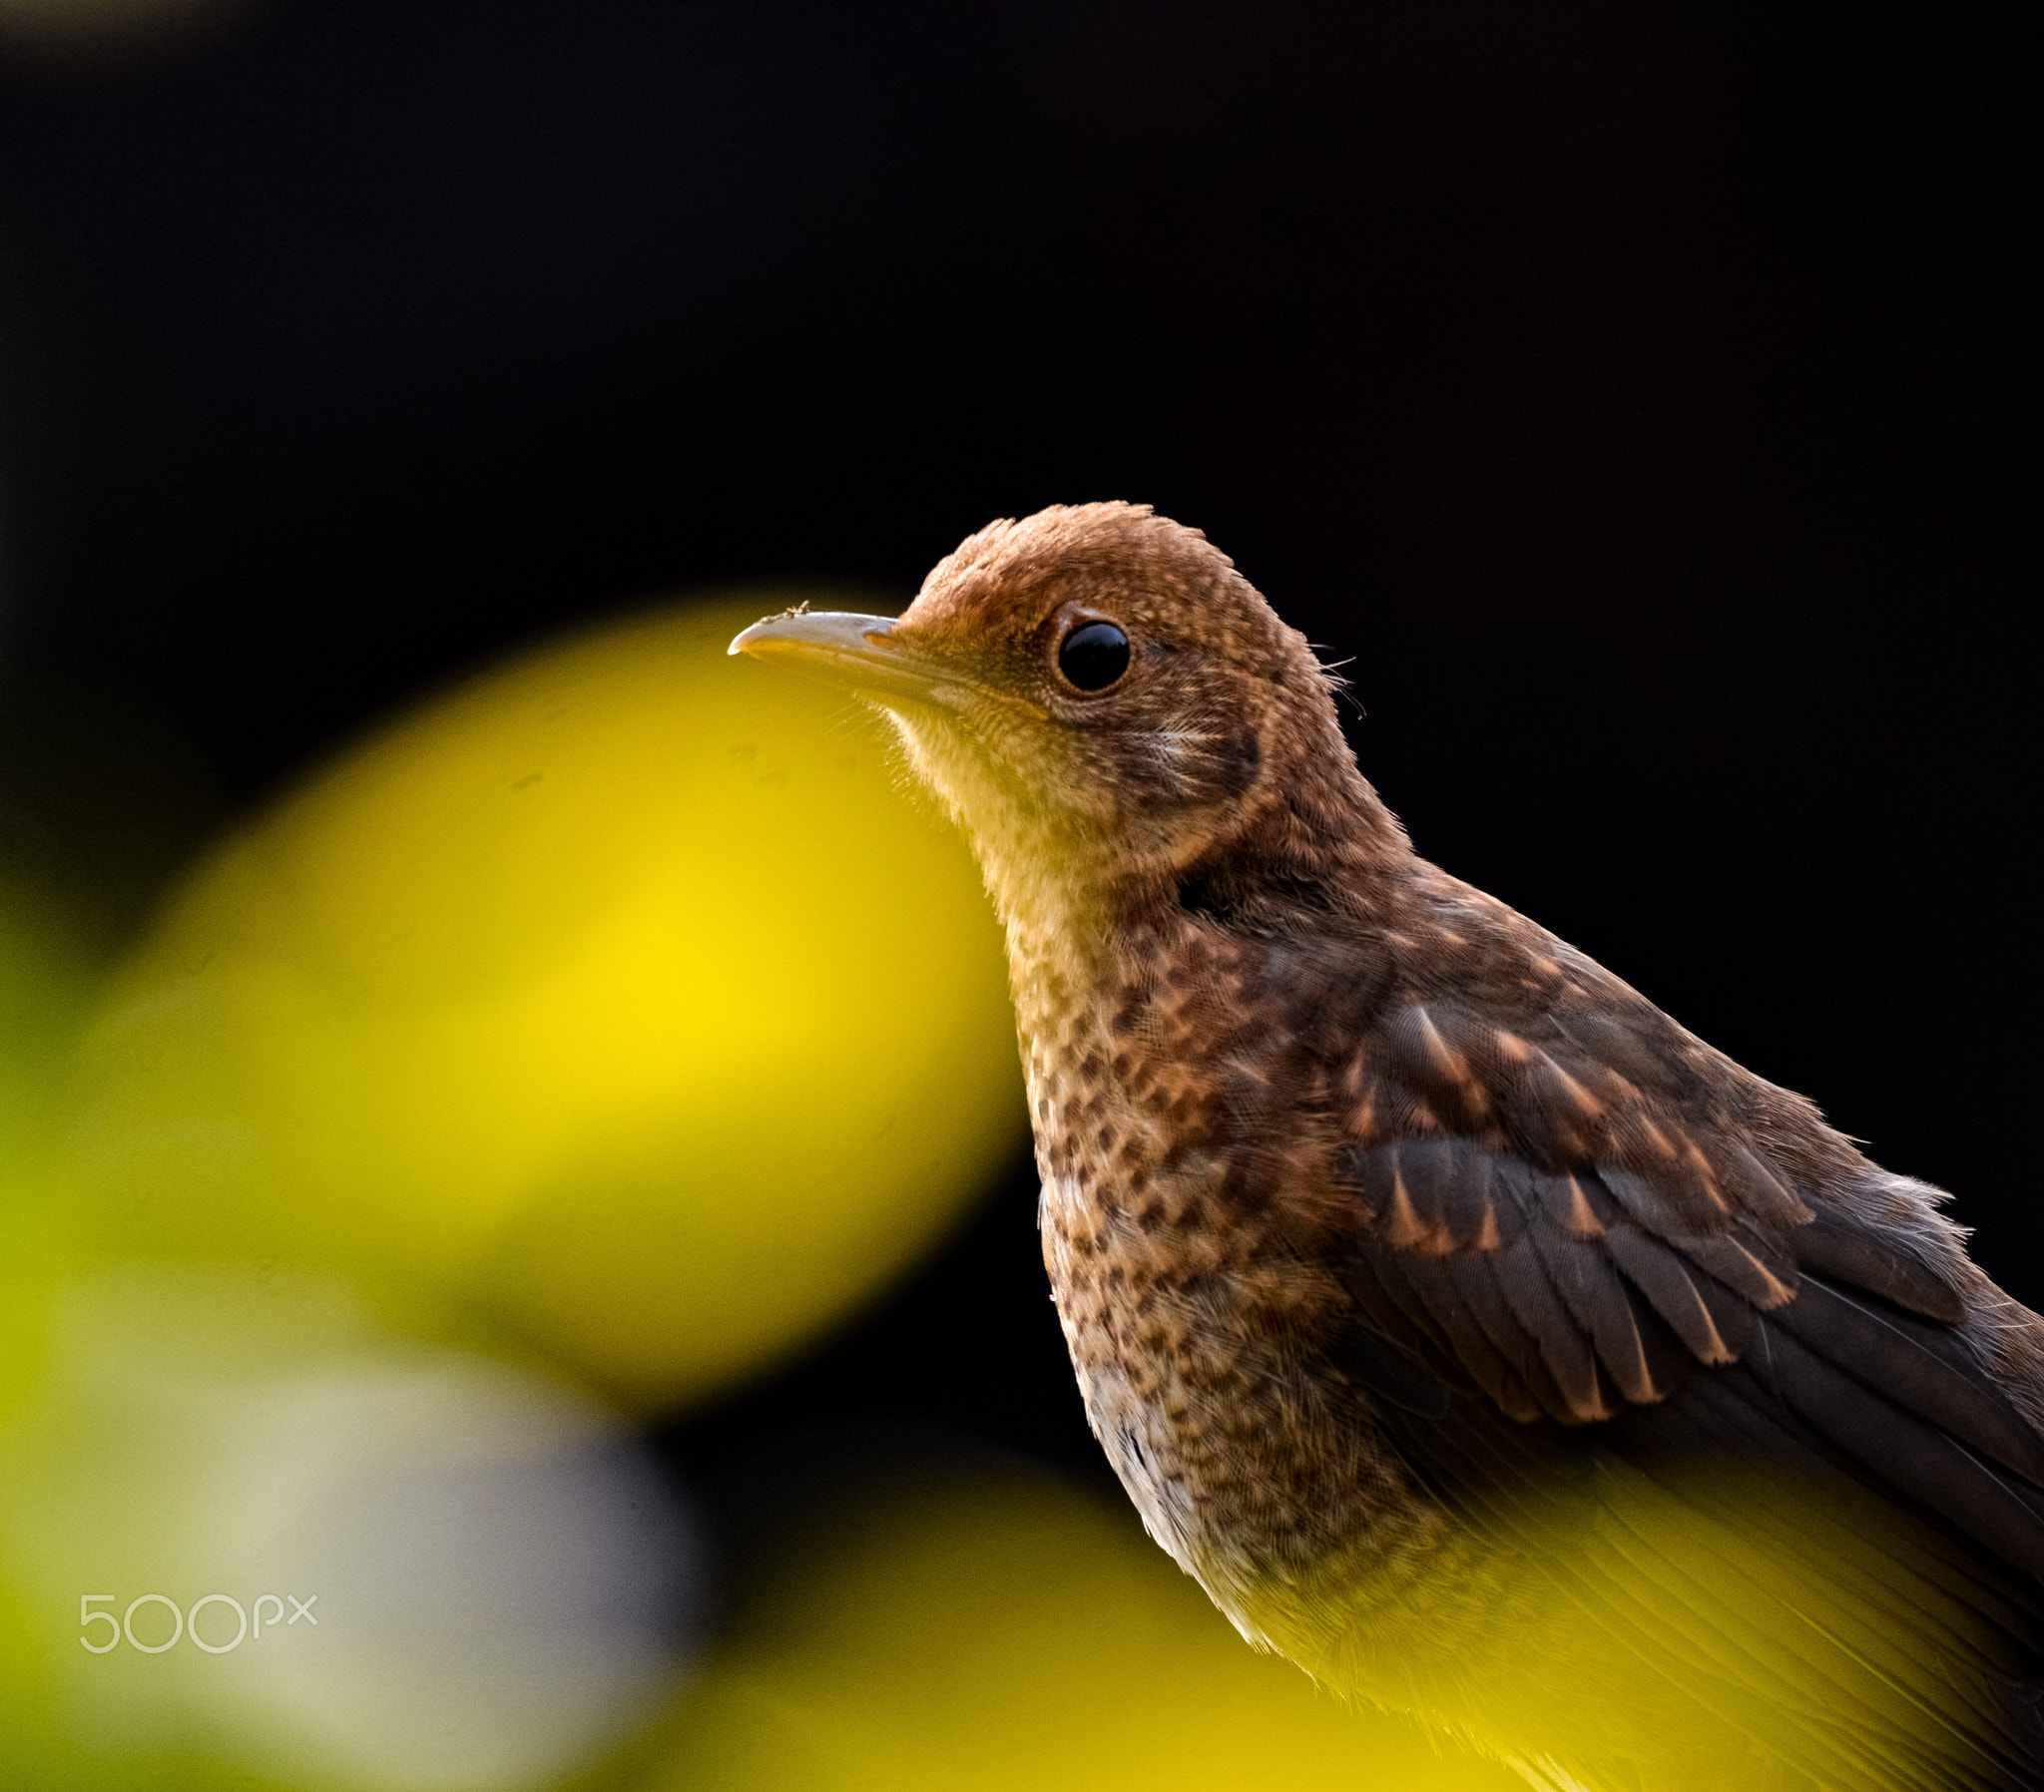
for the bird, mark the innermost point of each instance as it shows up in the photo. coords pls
(1476, 1335)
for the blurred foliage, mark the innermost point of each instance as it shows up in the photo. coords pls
(1004, 1631)
(45, 983)
(618, 992)
(612, 1016)
(495, 1588)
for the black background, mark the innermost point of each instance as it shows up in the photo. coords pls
(1634, 394)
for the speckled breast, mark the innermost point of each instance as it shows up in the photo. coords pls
(1191, 1238)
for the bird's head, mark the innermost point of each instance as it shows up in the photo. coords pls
(1095, 694)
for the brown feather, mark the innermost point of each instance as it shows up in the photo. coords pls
(1847, 1255)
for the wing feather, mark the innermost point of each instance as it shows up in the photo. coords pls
(1579, 1297)
(1847, 1253)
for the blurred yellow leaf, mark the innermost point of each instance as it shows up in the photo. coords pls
(620, 991)
(997, 1633)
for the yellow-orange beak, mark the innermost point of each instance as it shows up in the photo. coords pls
(843, 646)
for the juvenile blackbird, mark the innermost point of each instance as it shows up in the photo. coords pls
(1478, 1337)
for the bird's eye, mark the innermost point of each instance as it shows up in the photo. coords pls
(1093, 656)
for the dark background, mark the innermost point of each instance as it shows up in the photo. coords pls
(1635, 394)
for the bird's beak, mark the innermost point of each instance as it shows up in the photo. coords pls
(845, 648)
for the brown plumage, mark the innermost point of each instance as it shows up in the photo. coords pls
(1477, 1336)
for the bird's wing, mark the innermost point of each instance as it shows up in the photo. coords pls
(1555, 1269)
(1562, 1235)
(1558, 1295)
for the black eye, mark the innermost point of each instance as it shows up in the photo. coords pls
(1093, 655)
